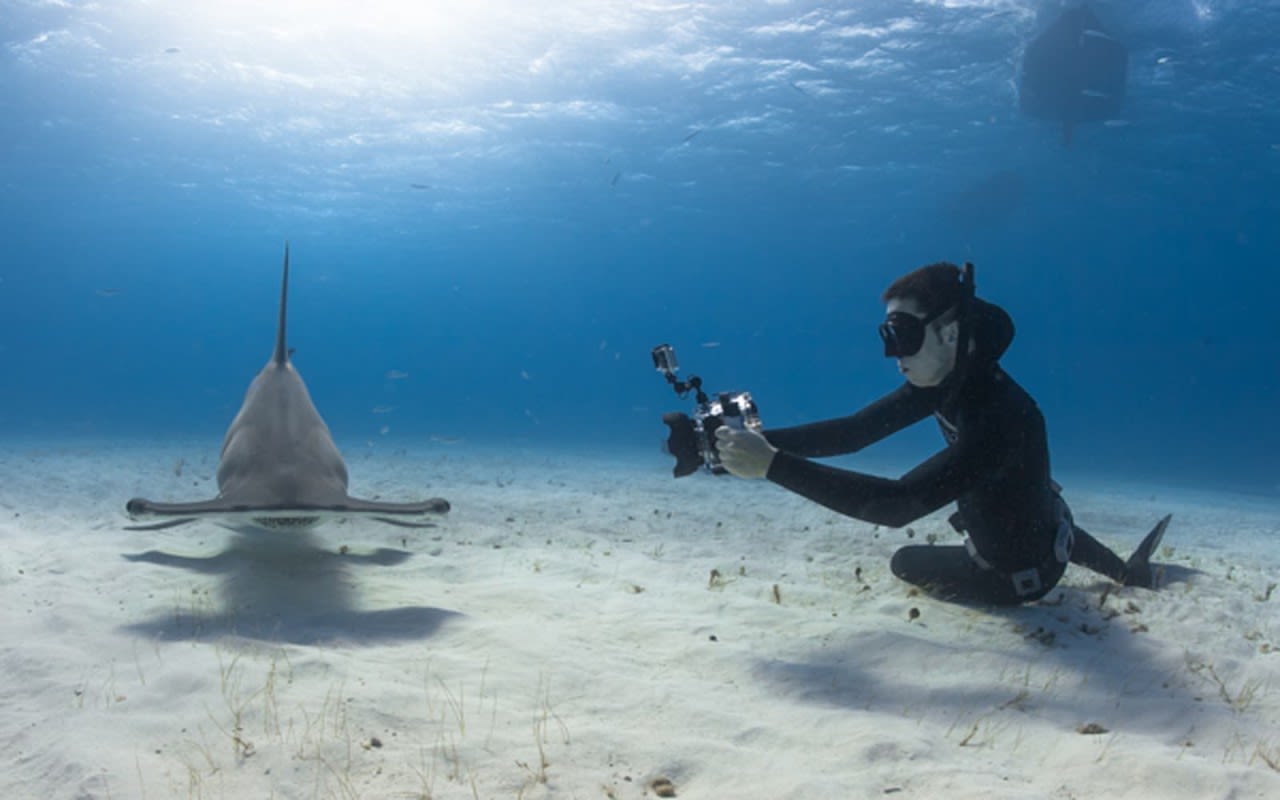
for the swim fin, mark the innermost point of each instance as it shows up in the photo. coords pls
(1138, 567)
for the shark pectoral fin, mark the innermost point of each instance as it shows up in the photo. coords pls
(404, 523)
(159, 526)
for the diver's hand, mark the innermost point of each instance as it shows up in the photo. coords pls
(745, 453)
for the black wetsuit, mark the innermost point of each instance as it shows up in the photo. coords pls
(995, 467)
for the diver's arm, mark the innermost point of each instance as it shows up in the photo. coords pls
(882, 501)
(904, 406)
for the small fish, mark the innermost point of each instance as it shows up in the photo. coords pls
(383, 409)
(1096, 34)
(1094, 93)
(172, 50)
(108, 292)
(396, 375)
(614, 180)
(709, 345)
(420, 186)
(691, 136)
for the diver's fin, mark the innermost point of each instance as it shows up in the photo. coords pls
(1138, 567)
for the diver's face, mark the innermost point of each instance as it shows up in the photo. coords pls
(933, 362)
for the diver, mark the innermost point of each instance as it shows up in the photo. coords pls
(995, 465)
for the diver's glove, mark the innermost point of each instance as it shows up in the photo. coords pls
(744, 452)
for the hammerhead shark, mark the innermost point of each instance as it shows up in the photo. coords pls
(279, 466)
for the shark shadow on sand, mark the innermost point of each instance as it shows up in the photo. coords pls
(284, 588)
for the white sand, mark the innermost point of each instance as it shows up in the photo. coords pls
(559, 635)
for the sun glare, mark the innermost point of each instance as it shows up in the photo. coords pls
(438, 23)
(440, 46)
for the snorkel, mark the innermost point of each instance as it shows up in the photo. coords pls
(964, 315)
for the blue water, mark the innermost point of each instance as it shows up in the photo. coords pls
(512, 206)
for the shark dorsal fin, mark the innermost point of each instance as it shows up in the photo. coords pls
(281, 355)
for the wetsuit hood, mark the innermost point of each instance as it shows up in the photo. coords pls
(992, 332)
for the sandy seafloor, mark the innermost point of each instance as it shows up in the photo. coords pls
(581, 626)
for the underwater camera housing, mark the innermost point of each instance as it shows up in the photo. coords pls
(692, 441)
